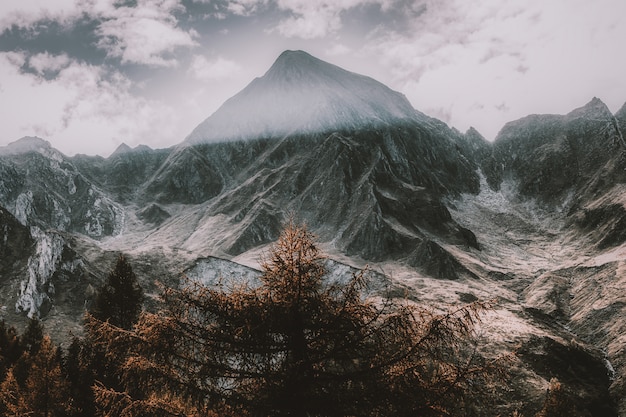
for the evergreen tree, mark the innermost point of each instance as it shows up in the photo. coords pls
(10, 348)
(120, 299)
(33, 336)
(81, 370)
(296, 346)
(30, 343)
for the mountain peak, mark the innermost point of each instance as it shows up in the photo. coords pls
(303, 94)
(291, 66)
(294, 58)
(125, 149)
(474, 133)
(594, 109)
(122, 149)
(26, 144)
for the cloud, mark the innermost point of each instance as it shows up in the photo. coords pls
(546, 57)
(44, 63)
(338, 49)
(246, 7)
(144, 34)
(84, 109)
(312, 19)
(25, 13)
(217, 69)
(311, 25)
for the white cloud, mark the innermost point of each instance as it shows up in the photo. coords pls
(45, 62)
(245, 7)
(83, 110)
(311, 19)
(24, 13)
(216, 69)
(144, 34)
(311, 25)
(142, 41)
(489, 62)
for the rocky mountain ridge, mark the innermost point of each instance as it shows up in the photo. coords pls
(534, 219)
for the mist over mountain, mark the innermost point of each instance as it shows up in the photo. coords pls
(302, 94)
(535, 220)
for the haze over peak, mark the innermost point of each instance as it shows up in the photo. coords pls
(303, 94)
(26, 144)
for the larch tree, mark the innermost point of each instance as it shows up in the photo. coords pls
(81, 369)
(44, 393)
(297, 345)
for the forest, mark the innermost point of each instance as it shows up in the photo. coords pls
(296, 345)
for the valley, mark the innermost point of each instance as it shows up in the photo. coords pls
(535, 221)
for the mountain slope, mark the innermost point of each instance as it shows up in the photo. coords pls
(552, 155)
(42, 187)
(535, 220)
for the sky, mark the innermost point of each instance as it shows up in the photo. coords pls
(88, 75)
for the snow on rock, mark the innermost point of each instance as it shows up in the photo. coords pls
(24, 207)
(103, 216)
(34, 295)
(225, 274)
(222, 273)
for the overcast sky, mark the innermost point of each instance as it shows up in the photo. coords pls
(87, 75)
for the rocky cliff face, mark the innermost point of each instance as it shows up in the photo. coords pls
(551, 156)
(536, 219)
(42, 187)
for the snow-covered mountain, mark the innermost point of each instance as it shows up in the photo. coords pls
(302, 94)
(535, 220)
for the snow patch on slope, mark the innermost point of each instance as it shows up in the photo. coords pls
(514, 234)
(225, 274)
(217, 272)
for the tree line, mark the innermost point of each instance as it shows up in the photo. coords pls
(297, 345)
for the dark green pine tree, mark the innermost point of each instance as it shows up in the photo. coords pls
(81, 369)
(10, 347)
(30, 343)
(33, 335)
(120, 299)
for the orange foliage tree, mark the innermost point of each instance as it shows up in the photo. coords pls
(297, 345)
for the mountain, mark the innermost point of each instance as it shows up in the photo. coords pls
(302, 94)
(554, 155)
(534, 220)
